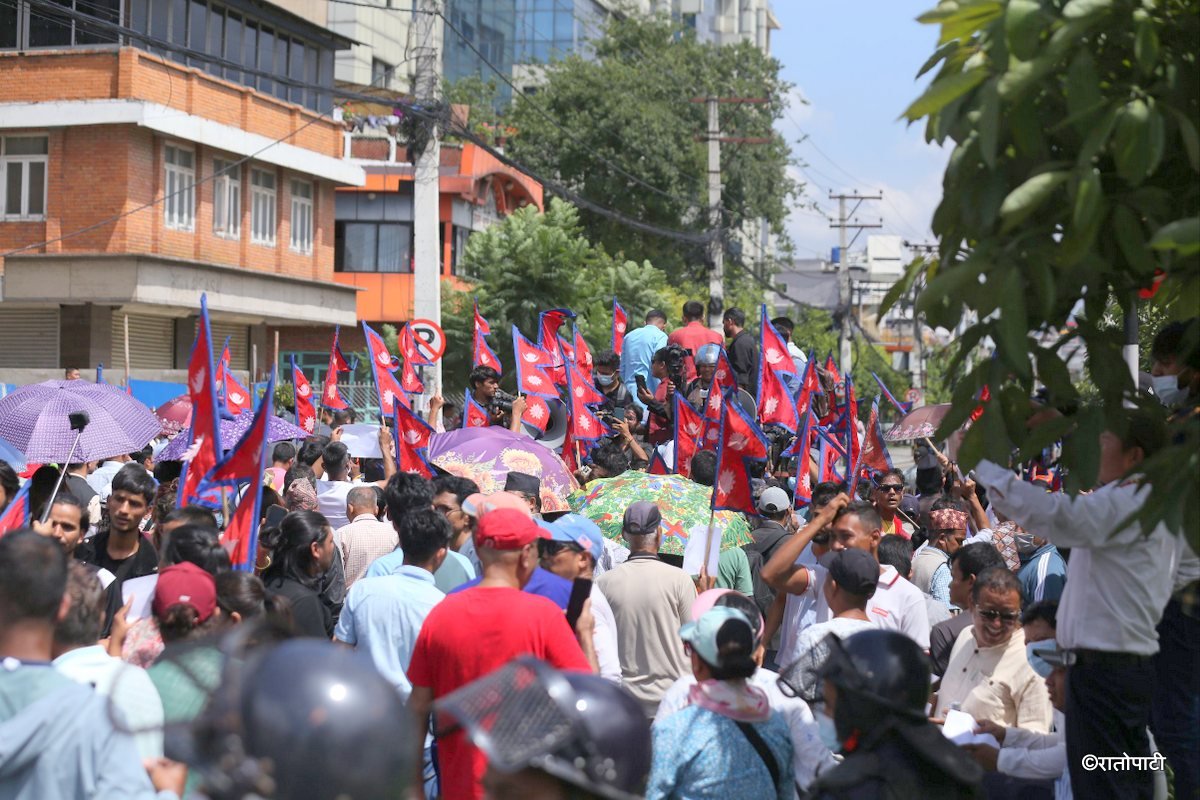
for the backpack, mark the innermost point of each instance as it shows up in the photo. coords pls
(758, 553)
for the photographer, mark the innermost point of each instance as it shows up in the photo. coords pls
(606, 372)
(484, 383)
(667, 366)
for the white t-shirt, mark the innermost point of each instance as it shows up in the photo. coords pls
(331, 501)
(809, 755)
(897, 605)
(802, 610)
(812, 650)
(604, 637)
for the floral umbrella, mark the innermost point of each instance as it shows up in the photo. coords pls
(684, 505)
(487, 455)
(918, 424)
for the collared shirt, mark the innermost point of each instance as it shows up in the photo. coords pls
(130, 688)
(650, 601)
(383, 617)
(897, 605)
(1118, 582)
(1038, 756)
(102, 477)
(454, 571)
(362, 541)
(331, 501)
(995, 683)
(640, 346)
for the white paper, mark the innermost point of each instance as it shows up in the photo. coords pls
(960, 729)
(362, 440)
(693, 551)
(142, 591)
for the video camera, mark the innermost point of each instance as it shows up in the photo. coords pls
(676, 366)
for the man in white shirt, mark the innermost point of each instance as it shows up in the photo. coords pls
(1118, 582)
(334, 488)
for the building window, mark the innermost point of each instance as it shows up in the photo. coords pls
(262, 207)
(372, 247)
(381, 73)
(302, 216)
(227, 198)
(179, 202)
(23, 162)
(25, 25)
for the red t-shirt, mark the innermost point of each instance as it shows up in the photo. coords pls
(473, 633)
(692, 337)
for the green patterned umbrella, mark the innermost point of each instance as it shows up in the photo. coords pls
(684, 505)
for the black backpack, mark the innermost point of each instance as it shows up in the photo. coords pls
(758, 553)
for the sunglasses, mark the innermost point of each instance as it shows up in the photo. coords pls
(891, 487)
(991, 614)
(552, 548)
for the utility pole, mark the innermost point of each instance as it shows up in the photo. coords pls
(916, 359)
(427, 250)
(716, 248)
(843, 223)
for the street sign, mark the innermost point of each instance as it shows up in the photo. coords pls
(430, 338)
(913, 396)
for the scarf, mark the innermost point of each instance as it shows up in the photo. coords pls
(1005, 538)
(301, 496)
(737, 700)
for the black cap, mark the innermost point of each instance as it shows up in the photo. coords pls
(641, 519)
(855, 571)
(522, 483)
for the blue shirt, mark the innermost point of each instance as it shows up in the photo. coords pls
(543, 583)
(701, 755)
(639, 347)
(1050, 583)
(383, 616)
(453, 572)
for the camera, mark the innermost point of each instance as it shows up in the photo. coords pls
(502, 402)
(676, 366)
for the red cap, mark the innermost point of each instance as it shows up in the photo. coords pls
(507, 529)
(188, 585)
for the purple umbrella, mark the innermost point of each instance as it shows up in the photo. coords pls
(231, 432)
(487, 455)
(35, 420)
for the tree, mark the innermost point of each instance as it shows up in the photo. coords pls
(532, 262)
(1073, 179)
(629, 106)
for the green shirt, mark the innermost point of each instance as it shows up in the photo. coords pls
(733, 572)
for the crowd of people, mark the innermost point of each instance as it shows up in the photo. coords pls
(921, 633)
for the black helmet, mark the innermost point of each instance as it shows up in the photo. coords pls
(576, 727)
(305, 719)
(879, 675)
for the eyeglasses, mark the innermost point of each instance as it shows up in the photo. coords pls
(991, 614)
(891, 487)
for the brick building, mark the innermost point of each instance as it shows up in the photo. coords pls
(140, 174)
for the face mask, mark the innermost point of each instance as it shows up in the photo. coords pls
(605, 380)
(1025, 545)
(1039, 664)
(827, 731)
(1166, 388)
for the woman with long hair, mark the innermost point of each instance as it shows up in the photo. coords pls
(302, 550)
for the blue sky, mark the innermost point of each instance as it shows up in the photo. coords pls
(854, 61)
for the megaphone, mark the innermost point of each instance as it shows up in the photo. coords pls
(556, 428)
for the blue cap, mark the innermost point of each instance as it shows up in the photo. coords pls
(703, 634)
(577, 529)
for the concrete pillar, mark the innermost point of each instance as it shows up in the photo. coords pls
(185, 337)
(85, 336)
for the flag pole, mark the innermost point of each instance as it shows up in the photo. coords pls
(708, 543)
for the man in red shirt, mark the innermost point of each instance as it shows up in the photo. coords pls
(693, 335)
(476, 631)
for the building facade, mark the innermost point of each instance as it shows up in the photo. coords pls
(184, 152)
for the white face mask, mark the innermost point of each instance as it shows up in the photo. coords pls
(827, 731)
(605, 380)
(1166, 388)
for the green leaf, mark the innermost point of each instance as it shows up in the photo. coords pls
(1182, 236)
(1145, 43)
(1023, 24)
(989, 122)
(1187, 132)
(1026, 198)
(1053, 373)
(1086, 216)
(943, 52)
(1044, 435)
(1081, 450)
(968, 20)
(902, 286)
(1131, 239)
(1042, 285)
(1012, 327)
(1082, 9)
(943, 91)
(1132, 146)
(1083, 91)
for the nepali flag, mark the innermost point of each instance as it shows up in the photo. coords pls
(482, 354)
(537, 412)
(237, 397)
(411, 435)
(984, 395)
(740, 443)
(585, 426)
(874, 453)
(475, 415)
(205, 434)
(689, 428)
(330, 396)
(583, 356)
(903, 408)
(246, 463)
(829, 453)
(776, 404)
(853, 445)
(306, 412)
(724, 378)
(549, 323)
(531, 360)
(18, 512)
(831, 368)
(658, 464)
(802, 450)
(386, 386)
(410, 352)
(810, 386)
(620, 325)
